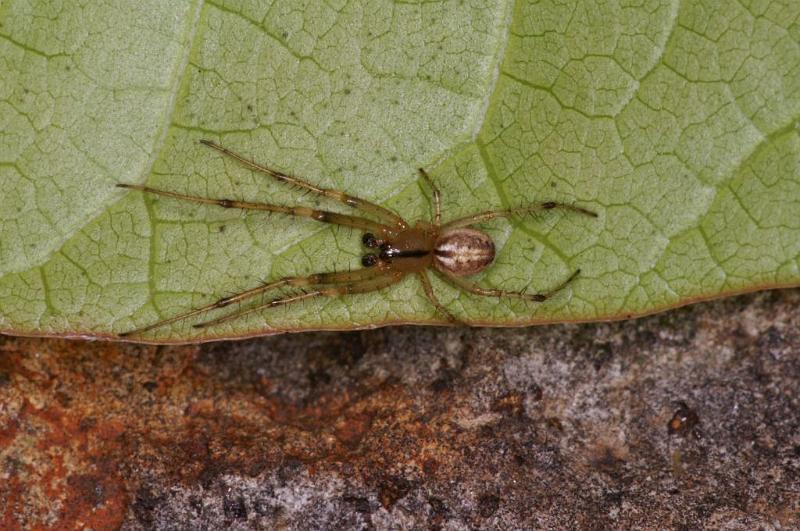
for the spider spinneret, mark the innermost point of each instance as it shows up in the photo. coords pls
(453, 250)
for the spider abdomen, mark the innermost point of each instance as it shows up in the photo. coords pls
(463, 252)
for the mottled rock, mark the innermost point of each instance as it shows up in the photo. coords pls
(685, 419)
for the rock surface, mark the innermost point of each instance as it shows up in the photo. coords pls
(686, 419)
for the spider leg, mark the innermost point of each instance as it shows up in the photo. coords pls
(319, 278)
(323, 216)
(538, 207)
(472, 287)
(384, 214)
(437, 197)
(379, 281)
(426, 284)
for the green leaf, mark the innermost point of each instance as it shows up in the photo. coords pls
(676, 121)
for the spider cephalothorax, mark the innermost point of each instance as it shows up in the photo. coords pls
(453, 250)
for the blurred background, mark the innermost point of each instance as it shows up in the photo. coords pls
(684, 419)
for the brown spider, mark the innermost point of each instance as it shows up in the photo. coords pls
(453, 250)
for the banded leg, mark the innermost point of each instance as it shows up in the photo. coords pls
(426, 284)
(381, 280)
(323, 216)
(311, 280)
(437, 198)
(384, 214)
(472, 287)
(492, 214)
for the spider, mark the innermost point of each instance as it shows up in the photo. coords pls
(453, 250)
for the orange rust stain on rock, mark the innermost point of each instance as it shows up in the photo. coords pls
(430, 466)
(97, 501)
(122, 411)
(511, 403)
(352, 429)
(66, 434)
(8, 432)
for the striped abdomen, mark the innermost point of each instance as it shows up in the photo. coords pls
(463, 252)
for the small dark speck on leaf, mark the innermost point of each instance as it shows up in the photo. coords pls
(150, 386)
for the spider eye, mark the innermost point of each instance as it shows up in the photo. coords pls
(369, 240)
(369, 260)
